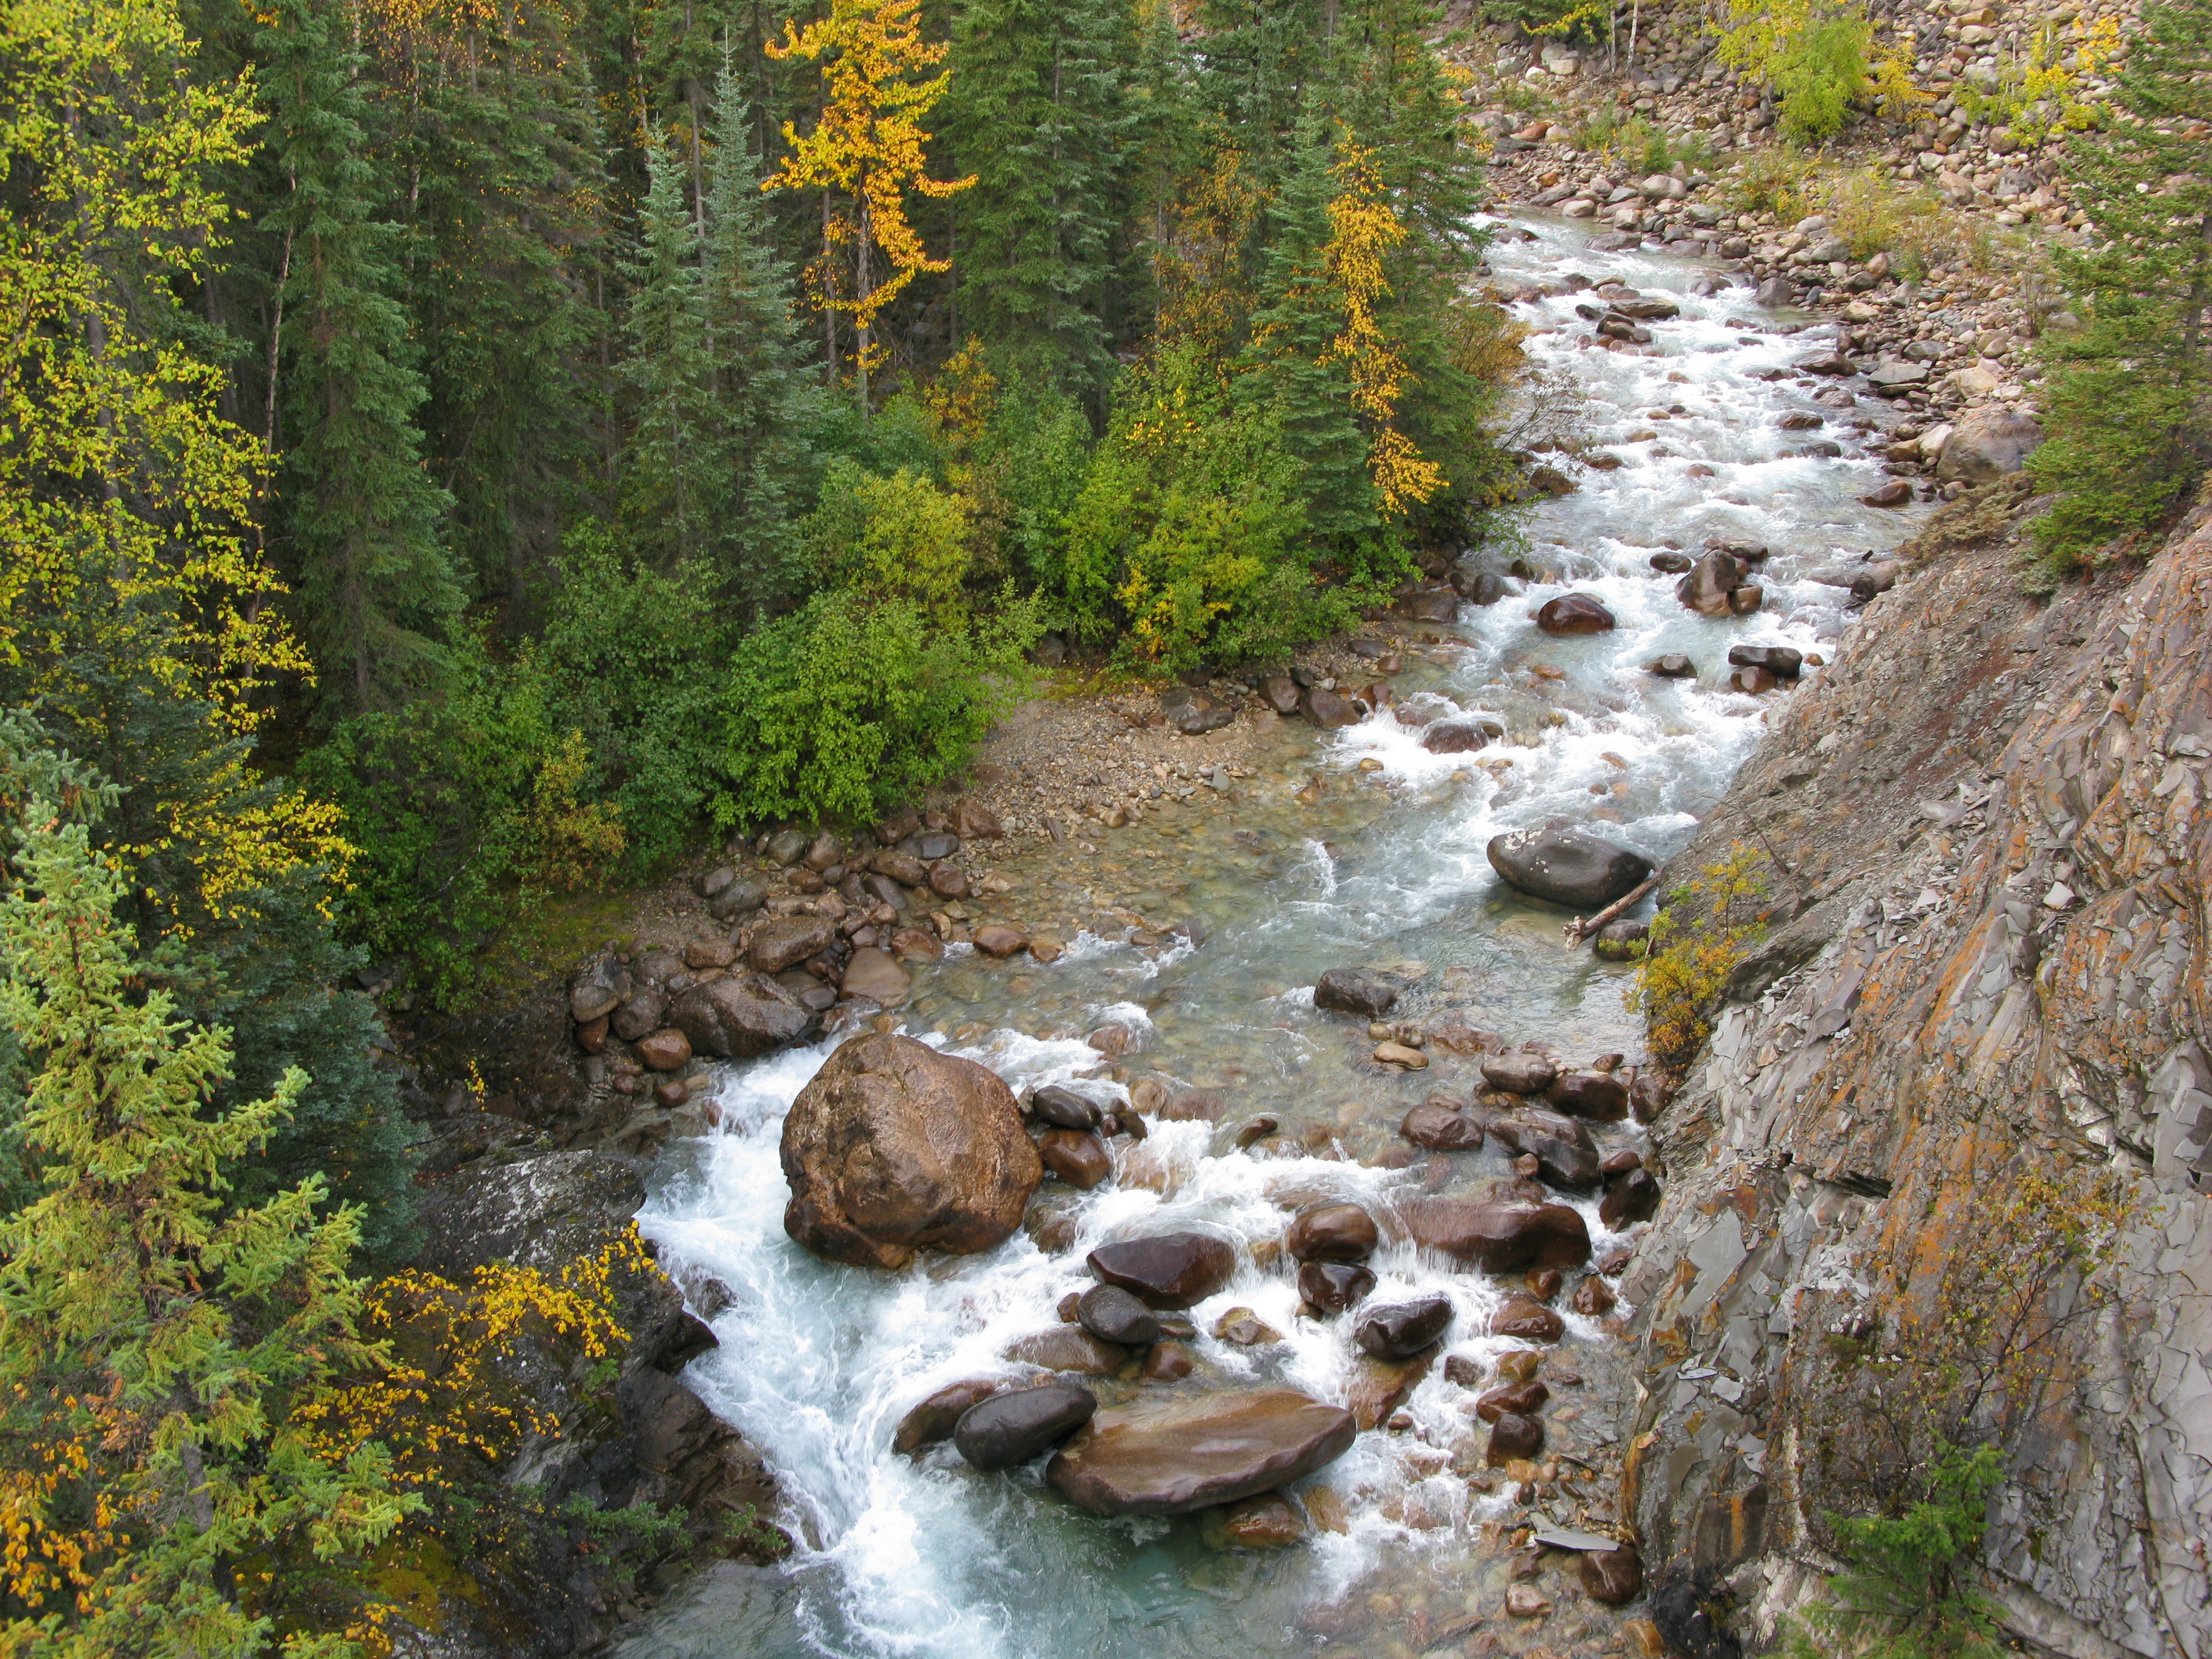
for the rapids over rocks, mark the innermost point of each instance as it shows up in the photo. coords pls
(1359, 849)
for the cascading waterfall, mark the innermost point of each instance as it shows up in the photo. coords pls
(819, 1362)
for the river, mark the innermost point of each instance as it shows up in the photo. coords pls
(1383, 867)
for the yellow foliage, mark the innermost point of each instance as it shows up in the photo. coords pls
(576, 843)
(1687, 962)
(1205, 294)
(1364, 228)
(964, 397)
(441, 1392)
(868, 147)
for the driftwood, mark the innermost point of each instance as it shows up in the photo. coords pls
(1578, 930)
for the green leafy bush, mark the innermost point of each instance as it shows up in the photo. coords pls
(895, 537)
(1814, 53)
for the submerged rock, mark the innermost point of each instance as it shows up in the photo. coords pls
(1567, 866)
(895, 1147)
(1171, 1456)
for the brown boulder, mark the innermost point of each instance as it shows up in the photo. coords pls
(1068, 1348)
(1520, 1399)
(1265, 1522)
(1171, 1456)
(1575, 613)
(1168, 1270)
(1441, 1128)
(895, 1147)
(666, 1050)
(971, 822)
(933, 1420)
(996, 939)
(1633, 1197)
(787, 941)
(1613, 1576)
(1564, 1153)
(1400, 1330)
(737, 1016)
(1500, 1236)
(1598, 1097)
(1332, 1232)
(1513, 1436)
(1520, 1074)
(1010, 1428)
(1705, 589)
(1075, 1155)
(1331, 1287)
(1530, 1320)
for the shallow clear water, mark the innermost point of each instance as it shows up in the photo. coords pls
(1386, 868)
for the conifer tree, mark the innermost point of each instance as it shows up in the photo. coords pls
(151, 1333)
(376, 589)
(2128, 401)
(672, 488)
(762, 405)
(1037, 114)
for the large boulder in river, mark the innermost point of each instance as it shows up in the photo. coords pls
(1500, 1236)
(1010, 1428)
(895, 1147)
(789, 940)
(1707, 588)
(1575, 613)
(737, 1016)
(1564, 1153)
(1567, 866)
(1989, 443)
(1171, 1456)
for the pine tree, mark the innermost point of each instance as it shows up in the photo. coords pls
(1037, 115)
(673, 488)
(151, 1333)
(762, 405)
(375, 588)
(2129, 400)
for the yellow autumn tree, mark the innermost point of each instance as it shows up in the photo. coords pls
(865, 155)
(1364, 228)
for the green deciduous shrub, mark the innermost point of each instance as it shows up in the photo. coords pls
(1814, 53)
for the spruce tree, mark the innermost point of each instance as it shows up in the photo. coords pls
(673, 488)
(376, 591)
(1037, 113)
(152, 1333)
(762, 405)
(2129, 399)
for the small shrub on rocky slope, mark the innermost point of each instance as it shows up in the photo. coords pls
(1704, 929)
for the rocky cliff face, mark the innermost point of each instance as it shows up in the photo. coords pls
(1984, 989)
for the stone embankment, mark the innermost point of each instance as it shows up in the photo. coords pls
(1978, 1019)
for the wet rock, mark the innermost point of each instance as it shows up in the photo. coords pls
(1063, 1109)
(1897, 492)
(875, 974)
(1989, 443)
(1780, 660)
(1068, 1348)
(931, 846)
(1348, 991)
(973, 822)
(1402, 1329)
(786, 847)
(1746, 600)
(1401, 1055)
(597, 990)
(1269, 1522)
(1564, 1153)
(737, 1016)
(1194, 712)
(1633, 1197)
(1500, 1236)
(1171, 1456)
(786, 941)
(935, 1418)
(1529, 1320)
(1716, 576)
(1613, 1576)
(897, 826)
(1575, 613)
(1513, 1436)
(1592, 1298)
(1526, 1601)
(1477, 580)
(1437, 605)
(1167, 1362)
(1281, 693)
(666, 1050)
(1326, 709)
(996, 940)
(1442, 1129)
(1246, 1329)
(1168, 1270)
(638, 1014)
(1332, 1232)
(709, 953)
(1454, 737)
(894, 1147)
(1332, 1287)
(1519, 1073)
(1672, 667)
(1621, 940)
(1515, 1399)
(1010, 1428)
(1112, 1315)
(1595, 1097)
(1257, 1130)
(902, 867)
(822, 852)
(592, 1035)
(1075, 1155)
(948, 881)
(1567, 866)
(1754, 681)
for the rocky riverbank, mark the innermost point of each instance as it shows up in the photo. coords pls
(1977, 1020)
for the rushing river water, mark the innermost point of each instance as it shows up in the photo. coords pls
(1382, 868)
